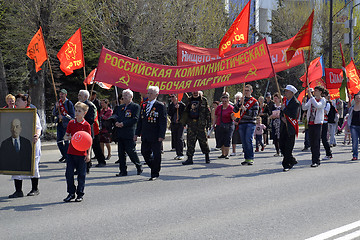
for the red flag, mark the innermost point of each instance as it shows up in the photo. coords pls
(315, 70)
(238, 33)
(90, 80)
(333, 78)
(354, 80)
(37, 50)
(302, 38)
(71, 54)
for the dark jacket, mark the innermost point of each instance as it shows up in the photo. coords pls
(204, 119)
(174, 112)
(69, 106)
(129, 117)
(15, 161)
(152, 126)
(251, 114)
(292, 111)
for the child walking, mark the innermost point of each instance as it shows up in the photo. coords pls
(76, 159)
(259, 131)
(347, 130)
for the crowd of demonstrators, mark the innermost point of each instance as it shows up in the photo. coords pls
(238, 123)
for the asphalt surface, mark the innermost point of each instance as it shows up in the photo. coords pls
(220, 200)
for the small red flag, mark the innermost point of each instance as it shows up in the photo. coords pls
(90, 80)
(302, 38)
(71, 54)
(37, 50)
(354, 79)
(316, 70)
(238, 33)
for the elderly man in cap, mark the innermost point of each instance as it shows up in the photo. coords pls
(289, 126)
(64, 111)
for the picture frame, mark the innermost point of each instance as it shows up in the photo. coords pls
(17, 157)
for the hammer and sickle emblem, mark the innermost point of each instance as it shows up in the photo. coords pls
(70, 52)
(123, 81)
(251, 71)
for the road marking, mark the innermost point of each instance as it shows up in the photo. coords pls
(337, 231)
(350, 236)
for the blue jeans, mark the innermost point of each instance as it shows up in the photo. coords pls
(355, 134)
(246, 131)
(63, 145)
(78, 163)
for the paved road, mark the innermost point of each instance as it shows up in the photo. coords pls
(221, 200)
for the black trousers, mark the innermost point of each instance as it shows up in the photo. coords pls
(97, 149)
(177, 135)
(127, 146)
(154, 163)
(287, 142)
(324, 139)
(314, 137)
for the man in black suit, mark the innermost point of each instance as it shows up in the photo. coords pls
(15, 151)
(152, 127)
(289, 126)
(126, 116)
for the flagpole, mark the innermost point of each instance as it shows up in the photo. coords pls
(82, 48)
(117, 95)
(48, 60)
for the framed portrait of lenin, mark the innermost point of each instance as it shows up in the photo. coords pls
(17, 149)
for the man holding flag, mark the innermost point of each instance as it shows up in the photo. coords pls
(64, 111)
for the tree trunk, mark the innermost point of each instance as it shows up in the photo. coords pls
(37, 93)
(3, 85)
(217, 94)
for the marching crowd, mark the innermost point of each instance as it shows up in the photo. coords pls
(271, 118)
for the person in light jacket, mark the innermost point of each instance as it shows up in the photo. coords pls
(315, 116)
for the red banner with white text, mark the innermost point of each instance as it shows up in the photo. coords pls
(251, 64)
(189, 54)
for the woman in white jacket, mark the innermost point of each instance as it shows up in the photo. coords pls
(315, 116)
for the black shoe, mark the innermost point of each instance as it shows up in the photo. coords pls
(78, 199)
(139, 170)
(305, 149)
(207, 158)
(221, 156)
(153, 178)
(100, 165)
(62, 159)
(69, 198)
(286, 169)
(33, 193)
(16, 195)
(122, 174)
(189, 161)
(314, 165)
(117, 161)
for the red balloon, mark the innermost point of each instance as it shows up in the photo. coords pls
(81, 141)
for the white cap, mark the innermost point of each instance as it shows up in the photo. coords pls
(291, 88)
